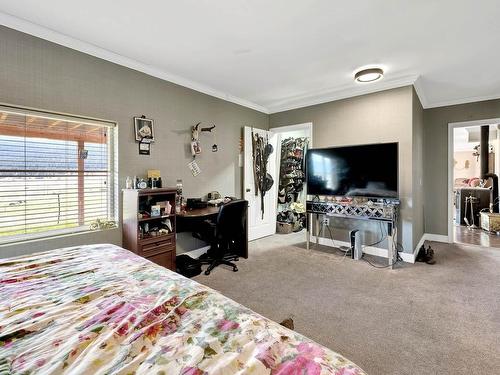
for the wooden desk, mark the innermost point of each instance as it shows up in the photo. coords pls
(199, 212)
(189, 221)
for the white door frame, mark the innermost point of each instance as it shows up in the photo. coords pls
(451, 127)
(303, 126)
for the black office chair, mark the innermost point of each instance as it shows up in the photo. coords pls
(226, 235)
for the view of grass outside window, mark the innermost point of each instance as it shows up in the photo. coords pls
(56, 174)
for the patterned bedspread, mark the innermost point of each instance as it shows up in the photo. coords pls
(100, 309)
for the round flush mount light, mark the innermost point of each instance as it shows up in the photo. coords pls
(368, 75)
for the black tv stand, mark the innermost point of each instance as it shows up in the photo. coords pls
(384, 210)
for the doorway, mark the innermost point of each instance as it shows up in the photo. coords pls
(474, 164)
(294, 141)
(263, 212)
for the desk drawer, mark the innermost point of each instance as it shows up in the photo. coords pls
(166, 260)
(157, 245)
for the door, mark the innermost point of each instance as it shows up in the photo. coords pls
(260, 225)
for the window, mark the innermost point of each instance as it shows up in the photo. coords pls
(57, 174)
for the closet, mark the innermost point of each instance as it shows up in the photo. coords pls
(294, 144)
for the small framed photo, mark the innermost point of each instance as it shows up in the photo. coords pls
(144, 129)
(195, 148)
(144, 148)
(155, 211)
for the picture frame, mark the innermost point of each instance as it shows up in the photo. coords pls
(144, 129)
(144, 148)
(155, 210)
(195, 148)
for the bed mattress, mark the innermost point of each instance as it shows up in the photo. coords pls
(100, 309)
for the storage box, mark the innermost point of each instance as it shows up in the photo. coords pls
(187, 266)
(490, 221)
(283, 228)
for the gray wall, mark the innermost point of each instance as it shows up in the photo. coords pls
(436, 122)
(418, 168)
(40, 74)
(380, 117)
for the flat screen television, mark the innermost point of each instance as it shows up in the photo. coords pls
(364, 170)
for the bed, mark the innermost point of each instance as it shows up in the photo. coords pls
(100, 309)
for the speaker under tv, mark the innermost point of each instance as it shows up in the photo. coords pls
(354, 171)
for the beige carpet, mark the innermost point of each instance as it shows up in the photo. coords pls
(417, 319)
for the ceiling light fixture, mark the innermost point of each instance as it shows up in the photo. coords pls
(368, 75)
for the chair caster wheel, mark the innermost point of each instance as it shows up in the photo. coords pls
(235, 269)
(207, 273)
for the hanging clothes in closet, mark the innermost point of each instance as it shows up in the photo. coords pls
(291, 182)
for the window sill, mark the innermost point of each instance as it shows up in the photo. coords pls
(74, 232)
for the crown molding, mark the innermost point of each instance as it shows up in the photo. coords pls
(470, 99)
(427, 104)
(91, 49)
(333, 94)
(285, 104)
(421, 92)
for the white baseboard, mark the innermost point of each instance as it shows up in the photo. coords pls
(410, 258)
(413, 256)
(377, 251)
(436, 237)
(372, 250)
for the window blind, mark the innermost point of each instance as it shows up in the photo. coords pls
(56, 174)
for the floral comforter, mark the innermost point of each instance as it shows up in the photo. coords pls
(100, 309)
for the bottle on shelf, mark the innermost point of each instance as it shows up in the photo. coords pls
(178, 197)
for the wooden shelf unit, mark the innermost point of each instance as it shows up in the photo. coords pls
(155, 218)
(159, 249)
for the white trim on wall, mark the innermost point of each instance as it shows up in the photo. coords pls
(308, 126)
(470, 99)
(372, 250)
(427, 237)
(338, 93)
(380, 252)
(451, 127)
(93, 50)
(436, 237)
(280, 105)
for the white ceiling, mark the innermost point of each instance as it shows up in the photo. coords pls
(282, 54)
(466, 138)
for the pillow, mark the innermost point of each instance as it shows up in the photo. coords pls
(474, 182)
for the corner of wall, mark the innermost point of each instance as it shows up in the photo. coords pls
(418, 190)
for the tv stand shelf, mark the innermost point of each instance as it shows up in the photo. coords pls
(384, 210)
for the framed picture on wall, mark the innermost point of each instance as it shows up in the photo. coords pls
(144, 129)
(144, 148)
